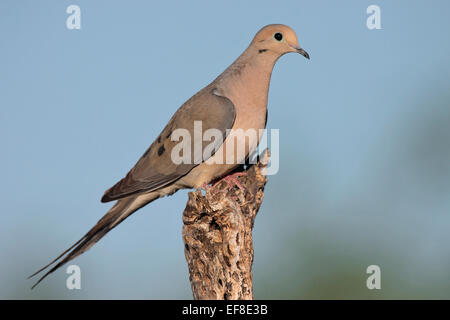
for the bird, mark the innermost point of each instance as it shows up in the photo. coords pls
(236, 99)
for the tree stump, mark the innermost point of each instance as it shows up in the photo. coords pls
(217, 235)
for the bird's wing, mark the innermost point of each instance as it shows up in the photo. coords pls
(155, 169)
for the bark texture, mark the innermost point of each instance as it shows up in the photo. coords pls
(217, 235)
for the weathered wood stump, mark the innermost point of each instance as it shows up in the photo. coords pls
(217, 235)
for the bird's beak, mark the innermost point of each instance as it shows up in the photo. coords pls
(301, 51)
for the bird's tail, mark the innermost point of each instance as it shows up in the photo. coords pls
(119, 212)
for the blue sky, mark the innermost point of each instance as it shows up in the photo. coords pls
(364, 152)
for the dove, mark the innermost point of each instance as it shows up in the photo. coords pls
(235, 100)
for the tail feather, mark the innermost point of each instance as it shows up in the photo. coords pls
(56, 259)
(119, 212)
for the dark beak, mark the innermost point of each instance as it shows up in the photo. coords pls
(303, 53)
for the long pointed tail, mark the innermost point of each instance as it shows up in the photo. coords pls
(119, 212)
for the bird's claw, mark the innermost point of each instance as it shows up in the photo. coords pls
(232, 180)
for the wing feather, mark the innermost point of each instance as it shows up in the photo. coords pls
(155, 169)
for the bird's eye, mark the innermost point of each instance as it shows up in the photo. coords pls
(278, 36)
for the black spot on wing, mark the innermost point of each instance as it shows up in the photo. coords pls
(161, 150)
(262, 50)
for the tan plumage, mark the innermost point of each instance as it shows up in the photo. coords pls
(237, 99)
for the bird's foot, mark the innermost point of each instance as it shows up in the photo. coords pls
(232, 180)
(205, 187)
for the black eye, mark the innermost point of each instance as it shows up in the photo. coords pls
(278, 36)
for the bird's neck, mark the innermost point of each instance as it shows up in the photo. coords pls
(252, 71)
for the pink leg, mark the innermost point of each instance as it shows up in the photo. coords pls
(205, 186)
(232, 180)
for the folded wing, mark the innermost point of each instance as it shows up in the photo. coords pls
(156, 169)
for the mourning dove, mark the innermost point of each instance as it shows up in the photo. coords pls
(236, 99)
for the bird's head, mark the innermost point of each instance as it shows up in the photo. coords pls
(278, 39)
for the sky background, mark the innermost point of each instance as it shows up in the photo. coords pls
(364, 144)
